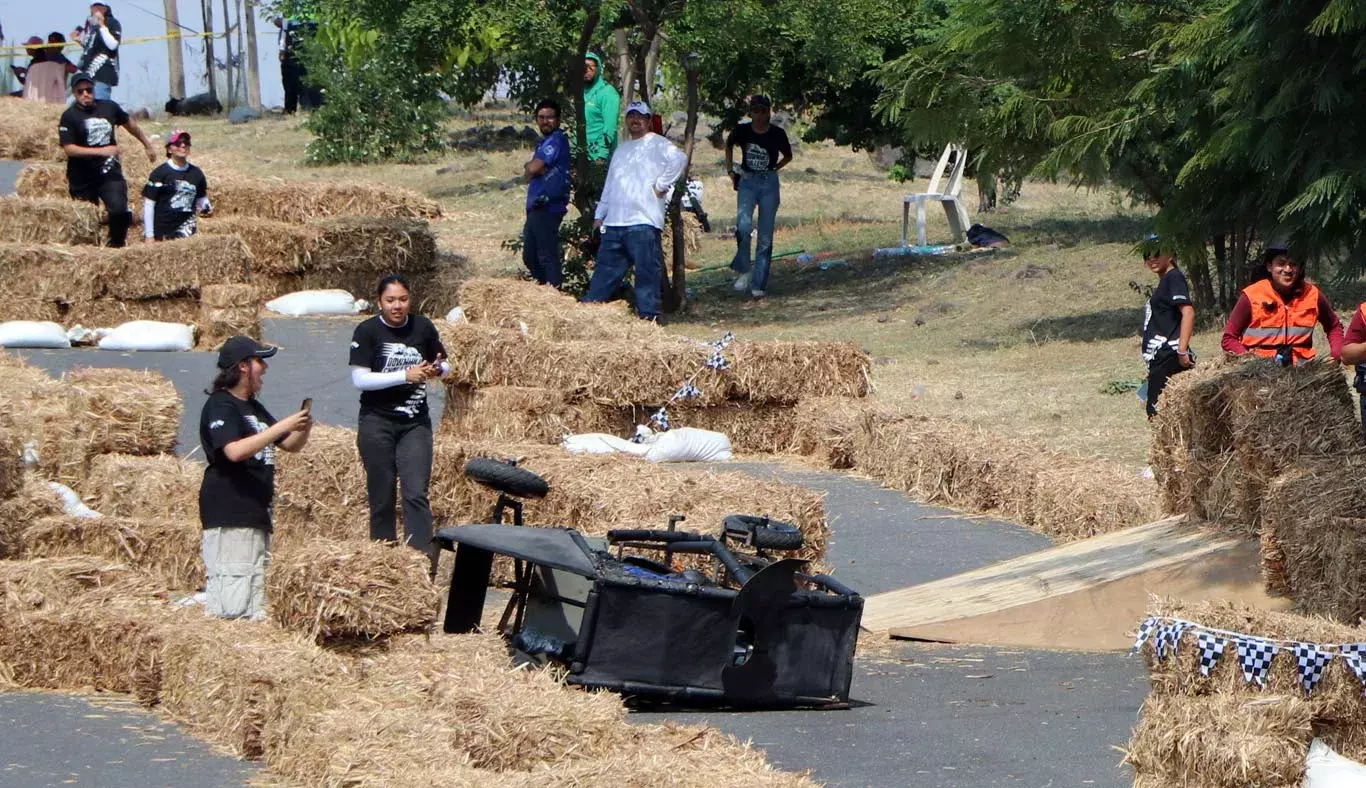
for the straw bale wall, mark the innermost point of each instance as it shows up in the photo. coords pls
(227, 311)
(48, 220)
(28, 129)
(165, 550)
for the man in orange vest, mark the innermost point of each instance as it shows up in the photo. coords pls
(1275, 316)
(1354, 352)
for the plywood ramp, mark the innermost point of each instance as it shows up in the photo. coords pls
(1082, 595)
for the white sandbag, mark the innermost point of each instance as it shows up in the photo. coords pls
(72, 504)
(688, 444)
(457, 315)
(600, 443)
(32, 333)
(1326, 769)
(315, 302)
(149, 335)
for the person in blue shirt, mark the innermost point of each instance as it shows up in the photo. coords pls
(547, 197)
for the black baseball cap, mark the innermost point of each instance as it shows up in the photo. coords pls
(79, 77)
(760, 101)
(240, 348)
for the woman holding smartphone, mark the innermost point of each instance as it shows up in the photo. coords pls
(240, 437)
(393, 355)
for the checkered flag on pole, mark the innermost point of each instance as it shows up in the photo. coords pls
(1311, 663)
(1211, 649)
(1255, 657)
(1145, 631)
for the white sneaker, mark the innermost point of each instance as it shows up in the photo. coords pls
(742, 282)
(757, 293)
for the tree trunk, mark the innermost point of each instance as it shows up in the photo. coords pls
(638, 63)
(624, 68)
(253, 65)
(647, 87)
(676, 299)
(175, 53)
(582, 200)
(227, 55)
(206, 11)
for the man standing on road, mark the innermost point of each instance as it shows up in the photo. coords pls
(100, 57)
(766, 149)
(1168, 323)
(631, 213)
(93, 172)
(601, 103)
(547, 197)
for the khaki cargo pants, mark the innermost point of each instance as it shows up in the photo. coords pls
(236, 562)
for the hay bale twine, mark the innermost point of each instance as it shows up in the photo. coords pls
(226, 311)
(48, 220)
(353, 589)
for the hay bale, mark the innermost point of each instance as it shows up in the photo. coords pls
(33, 501)
(547, 313)
(278, 248)
(1337, 698)
(226, 311)
(110, 647)
(48, 583)
(43, 180)
(1221, 741)
(320, 491)
(517, 414)
(28, 129)
(173, 268)
(155, 487)
(351, 589)
(11, 460)
(442, 291)
(43, 282)
(298, 201)
(829, 429)
(167, 550)
(48, 220)
(597, 493)
(131, 411)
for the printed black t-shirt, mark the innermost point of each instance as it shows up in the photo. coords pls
(235, 494)
(759, 152)
(91, 128)
(175, 193)
(97, 59)
(381, 347)
(1162, 315)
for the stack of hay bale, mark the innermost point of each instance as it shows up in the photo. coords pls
(1219, 730)
(276, 237)
(1271, 453)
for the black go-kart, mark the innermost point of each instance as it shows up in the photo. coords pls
(746, 629)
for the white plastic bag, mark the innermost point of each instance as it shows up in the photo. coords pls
(32, 333)
(315, 302)
(600, 443)
(149, 335)
(72, 504)
(457, 315)
(1326, 769)
(688, 444)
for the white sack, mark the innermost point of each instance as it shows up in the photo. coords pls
(315, 302)
(600, 443)
(688, 444)
(1327, 769)
(32, 333)
(72, 504)
(149, 335)
(457, 315)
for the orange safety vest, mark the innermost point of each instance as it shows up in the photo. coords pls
(1276, 324)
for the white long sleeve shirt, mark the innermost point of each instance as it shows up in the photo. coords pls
(638, 169)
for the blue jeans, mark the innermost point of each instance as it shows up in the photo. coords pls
(623, 248)
(104, 91)
(541, 246)
(761, 189)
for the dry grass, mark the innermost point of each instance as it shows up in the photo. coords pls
(48, 221)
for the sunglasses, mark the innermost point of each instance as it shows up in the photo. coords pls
(178, 144)
(83, 91)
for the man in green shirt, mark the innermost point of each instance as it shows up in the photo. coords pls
(601, 106)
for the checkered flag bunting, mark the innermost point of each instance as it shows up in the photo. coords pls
(718, 362)
(1312, 663)
(689, 391)
(660, 420)
(1254, 656)
(1357, 650)
(724, 341)
(1211, 649)
(1145, 631)
(1357, 664)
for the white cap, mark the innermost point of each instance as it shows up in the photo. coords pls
(638, 107)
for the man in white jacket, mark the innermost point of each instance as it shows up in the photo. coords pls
(631, 213)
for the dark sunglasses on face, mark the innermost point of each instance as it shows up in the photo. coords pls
(83, 91)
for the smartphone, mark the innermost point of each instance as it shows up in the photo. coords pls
(308, 404)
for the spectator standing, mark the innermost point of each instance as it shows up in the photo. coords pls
(236, 496)
(393, 355)
(293, 33)
(54, 53)
(175, 191)
(764, 149)
(93, 172)
(1168, 323)
(631, 213)
(601, 105)
(1354, 352)
(100, 54)
(1275, 316)
(547, 197)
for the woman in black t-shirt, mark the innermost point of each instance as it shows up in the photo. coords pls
(240, 437)
(393, 355)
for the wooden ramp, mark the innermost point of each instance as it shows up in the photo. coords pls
(1083, 595)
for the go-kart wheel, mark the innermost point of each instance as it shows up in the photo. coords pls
(763, 533)
(507, 478)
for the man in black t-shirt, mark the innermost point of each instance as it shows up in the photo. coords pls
(174, 192)
(100, 39)
(764, 149)
(93, 172)
(1168, 323)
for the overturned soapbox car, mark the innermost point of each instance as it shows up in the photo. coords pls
(748, 631)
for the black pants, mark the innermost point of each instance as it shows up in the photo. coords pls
(1160, 370)
(541, 246)
(297, 91)
(113, 192)
(394, 451)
